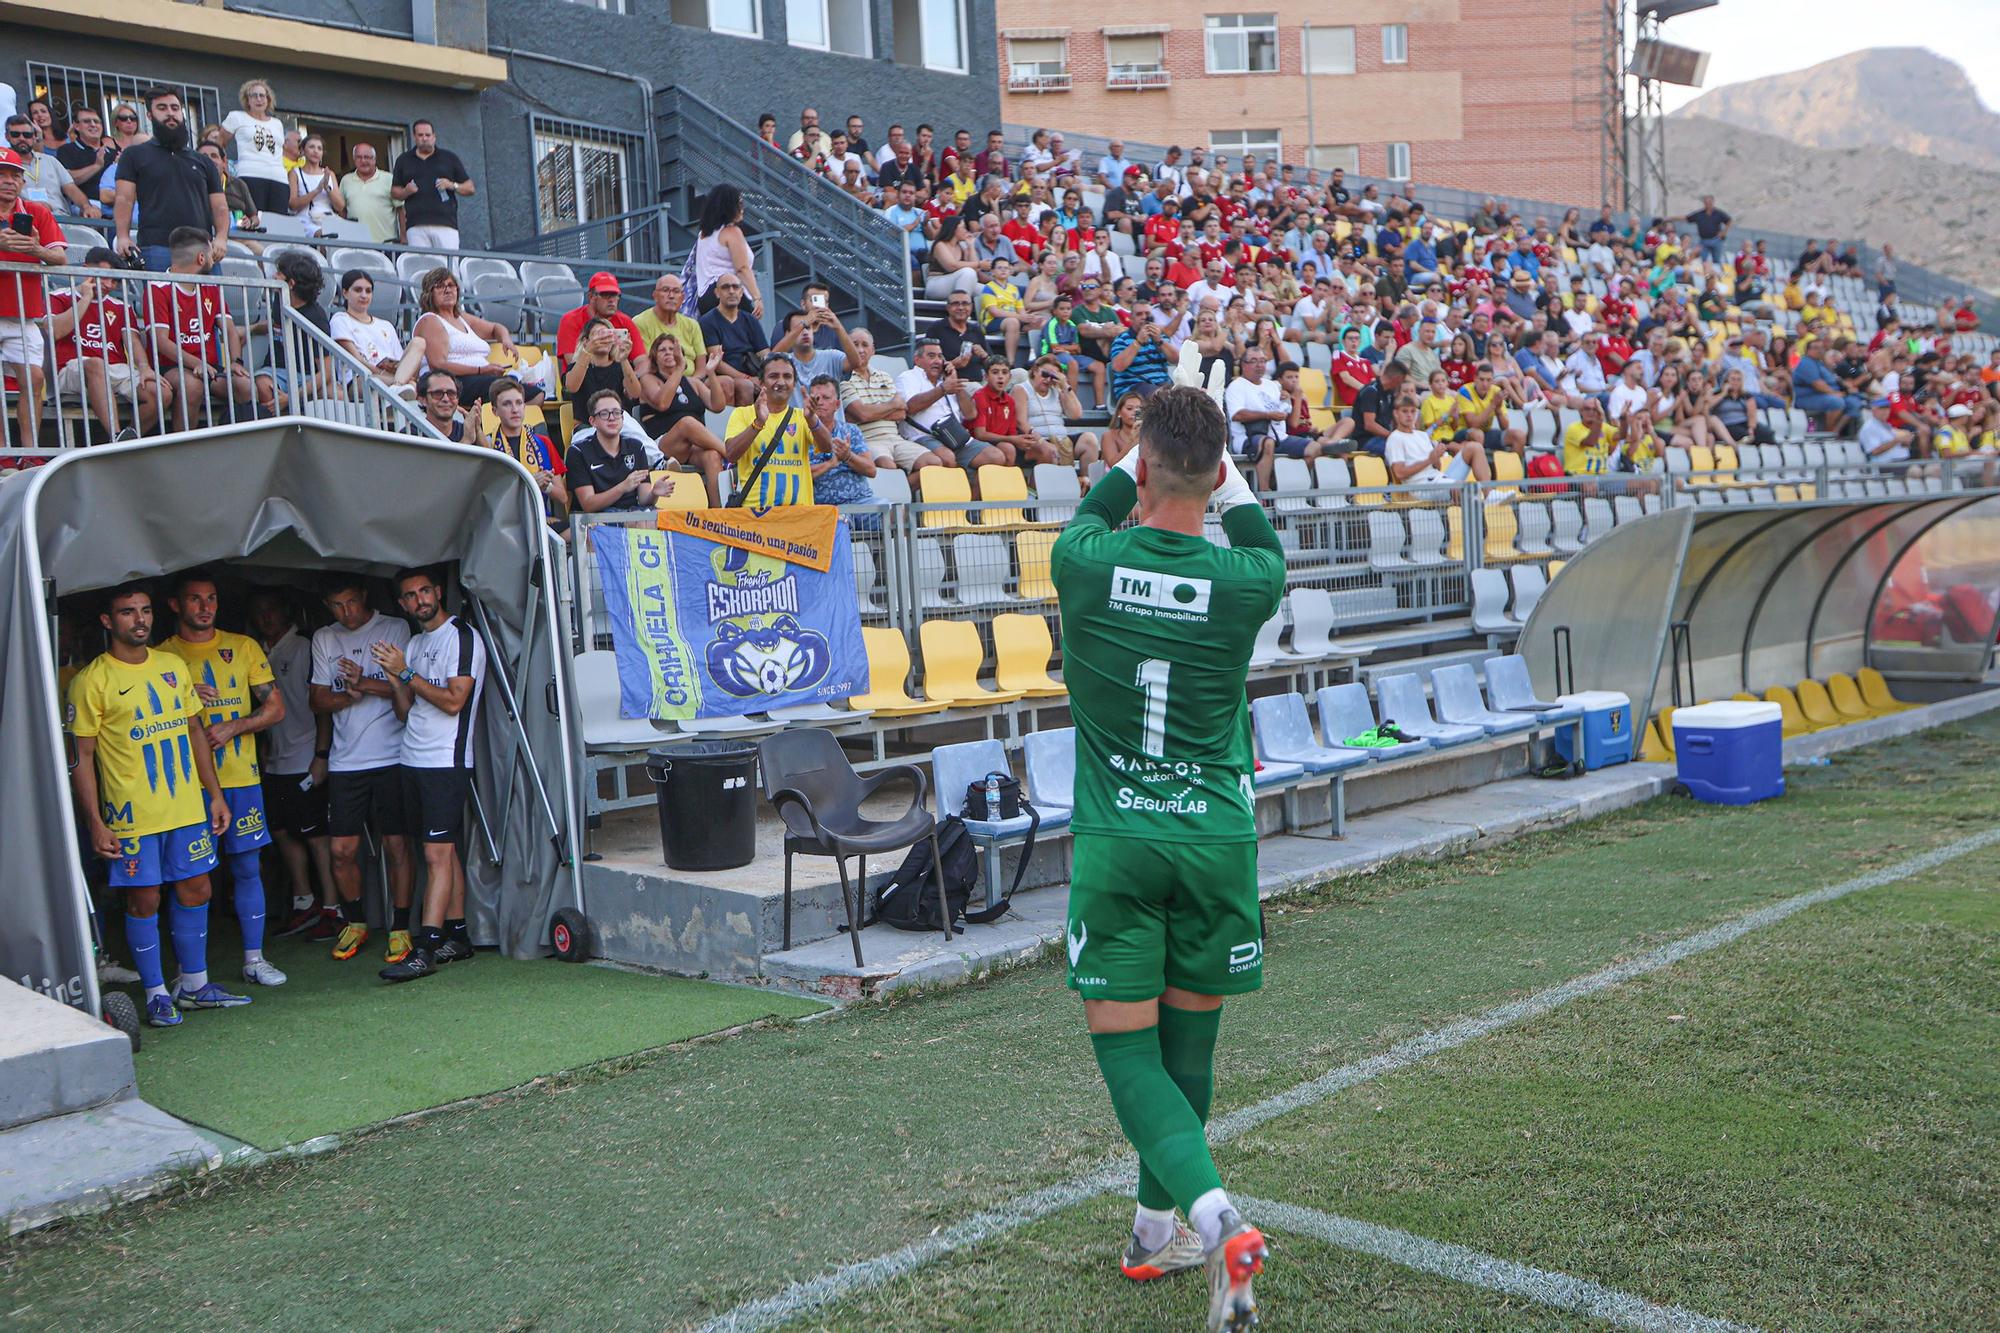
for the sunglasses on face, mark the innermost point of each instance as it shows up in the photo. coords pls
(442, 393)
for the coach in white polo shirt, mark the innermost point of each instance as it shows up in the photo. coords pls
(436, 685)
(364, 784)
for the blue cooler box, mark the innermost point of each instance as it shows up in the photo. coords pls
(1607, 728)
(1732, 752)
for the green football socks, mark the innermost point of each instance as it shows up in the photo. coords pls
(1187, 1050)
(1156, 1114)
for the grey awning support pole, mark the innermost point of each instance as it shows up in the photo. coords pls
(502, 678)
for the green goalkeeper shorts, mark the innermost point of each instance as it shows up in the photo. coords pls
(1144, 916)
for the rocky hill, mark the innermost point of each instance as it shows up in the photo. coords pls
(1888, 97)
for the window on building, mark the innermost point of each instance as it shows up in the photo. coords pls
(68, 89)
(1135, 60)
(1265, 144)
(1346, 156)
(739, 18)
(1037, 64)
(1329, 50)
(829, 25)
(608, 6)
(931, 33)
(584, 175)
(1399, 162)
(1395, 44)
(1242, 43)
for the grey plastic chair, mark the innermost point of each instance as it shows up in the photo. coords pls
(1458, 700)
(1400, 699)
(1529, 585)
(1344, 711)
(1051, 762)
(1489, 603)
(956, 768)
(1285, 734)
(818, 795)
(1509, 690)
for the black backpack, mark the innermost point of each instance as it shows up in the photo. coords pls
(909, 901)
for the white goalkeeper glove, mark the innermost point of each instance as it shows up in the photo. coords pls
(1233, 491)
(1129, 464)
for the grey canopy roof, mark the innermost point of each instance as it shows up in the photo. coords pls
(288, 495)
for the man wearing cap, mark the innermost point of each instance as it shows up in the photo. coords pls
(600, 301)
(1881, 439)
(37, 240)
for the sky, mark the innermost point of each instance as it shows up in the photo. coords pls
(1748, 39)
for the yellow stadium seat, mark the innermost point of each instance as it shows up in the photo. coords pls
(1507, 466)
(1701, 459)
(1022, 647)
(1876, 691)
(1342, 229)
(952, 658)
(1501, 528)
(1726, 461)
(679, 490)
(888, 668)
(1318, 394)
(1555, 567)
(1369, 471)
(1793, 717)
(565, 424)
(1651, 749)
(1817, 705)
(999, 482)
(1786, 494)
(1031, 553)
(1745, 697)
(1454, 527)
(1847, 698)
(1807, 491)
(945, 485)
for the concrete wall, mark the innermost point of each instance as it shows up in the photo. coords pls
(490, 130)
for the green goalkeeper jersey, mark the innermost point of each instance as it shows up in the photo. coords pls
(1157, 629)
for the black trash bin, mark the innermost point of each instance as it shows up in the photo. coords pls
(708, 803)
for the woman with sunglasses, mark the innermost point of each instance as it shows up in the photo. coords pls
(260, 143)
(1044, 402)
(457, 343)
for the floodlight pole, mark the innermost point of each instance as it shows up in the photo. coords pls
(1650, 166)
(1306, 72)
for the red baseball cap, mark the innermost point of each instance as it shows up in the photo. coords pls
(10, 158)
(602, 282)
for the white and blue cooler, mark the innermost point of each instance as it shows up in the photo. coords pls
(1607, 728)
(1731, 752)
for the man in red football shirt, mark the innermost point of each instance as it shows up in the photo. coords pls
(29, 236)
(100, 356)
(190, 329)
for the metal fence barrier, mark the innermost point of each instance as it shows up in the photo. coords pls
(118, 354)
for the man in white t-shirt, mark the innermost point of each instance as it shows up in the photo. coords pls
(1414, 458)
(1882, 442)
(295, 774)
(932, 393)
(1256, 410)
(364, 785)
(436, 691)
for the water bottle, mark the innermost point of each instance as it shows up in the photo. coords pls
(993, 798)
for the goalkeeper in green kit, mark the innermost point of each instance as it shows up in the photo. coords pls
(1158, 624)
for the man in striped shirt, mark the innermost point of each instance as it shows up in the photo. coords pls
(1138, 363)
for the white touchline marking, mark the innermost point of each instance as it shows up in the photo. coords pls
(1118, 1172)
(1557, 1290)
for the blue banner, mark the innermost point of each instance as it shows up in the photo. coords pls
(704, 629)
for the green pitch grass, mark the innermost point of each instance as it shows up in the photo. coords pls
(337, 1048)
(1824, 1101)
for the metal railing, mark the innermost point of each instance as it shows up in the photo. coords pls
(119, 354)
(816, 227)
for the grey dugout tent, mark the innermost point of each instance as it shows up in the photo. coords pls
(1764, 594)
(286, 495)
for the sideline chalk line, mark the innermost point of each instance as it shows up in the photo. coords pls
(1119, 1172)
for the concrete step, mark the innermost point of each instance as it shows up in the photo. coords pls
(90, 1160)
(55, 1060)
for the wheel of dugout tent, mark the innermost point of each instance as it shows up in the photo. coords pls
(569, 935)
(1680, 789)
(121, 1013)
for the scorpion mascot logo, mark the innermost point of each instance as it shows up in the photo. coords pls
(760, 648)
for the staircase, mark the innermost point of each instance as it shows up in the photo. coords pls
(814, 230)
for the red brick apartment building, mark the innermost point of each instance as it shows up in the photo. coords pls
(1503, 96)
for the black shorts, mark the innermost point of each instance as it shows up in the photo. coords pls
(372, 797)
(435, 800)
(296, 809)
(1294, 446)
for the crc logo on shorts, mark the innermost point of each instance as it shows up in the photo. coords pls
(250, 822)
(1148, 592)
(1243, 957)
(200, 848)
